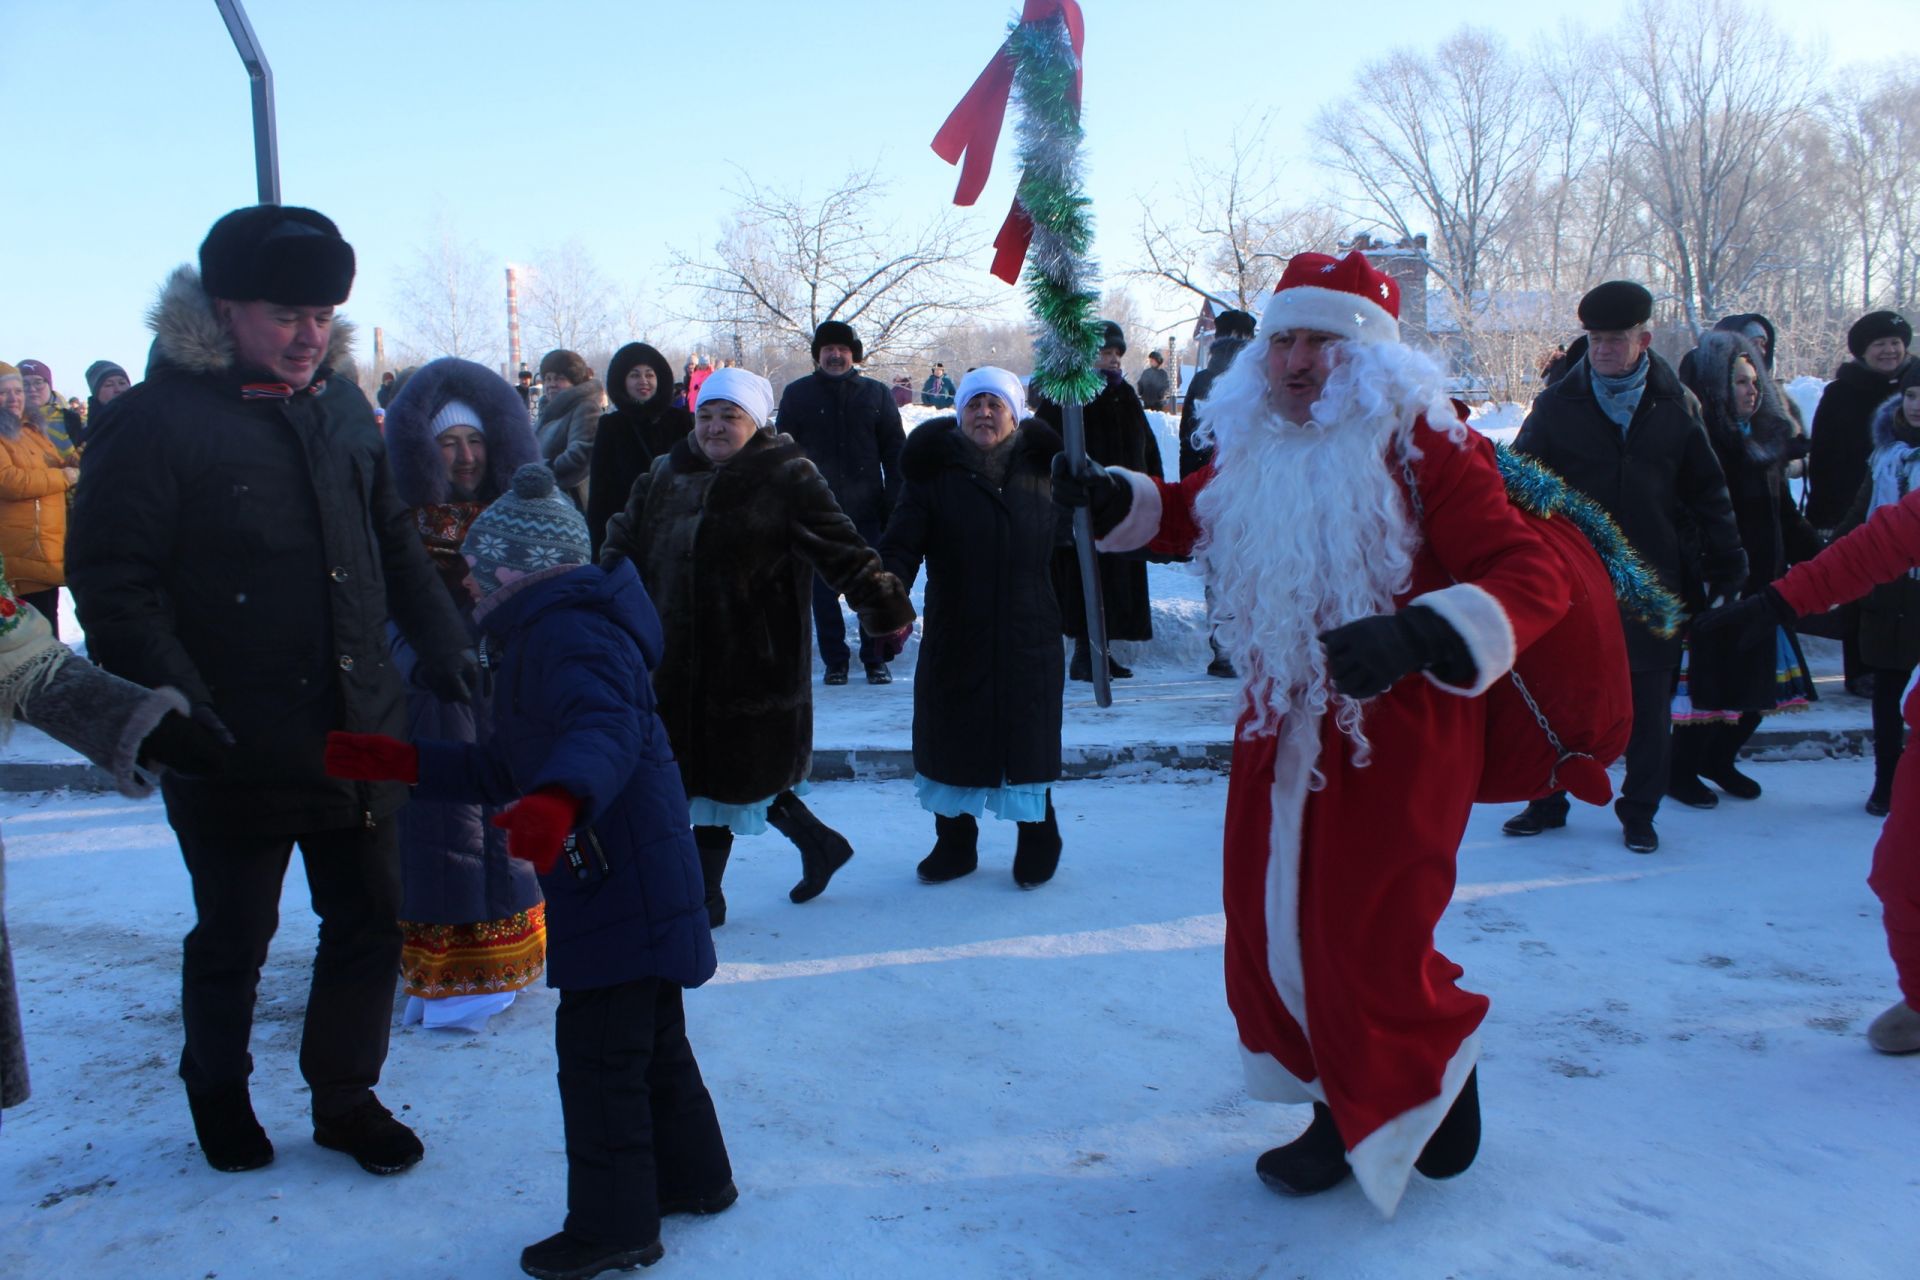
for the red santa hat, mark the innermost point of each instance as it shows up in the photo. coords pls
(1334, 295)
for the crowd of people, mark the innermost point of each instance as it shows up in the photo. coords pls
(513, 672)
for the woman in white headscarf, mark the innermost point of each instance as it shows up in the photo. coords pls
(977, 511)
(728, 529)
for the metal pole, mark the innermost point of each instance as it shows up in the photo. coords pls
(1073, 429)
(266, 141)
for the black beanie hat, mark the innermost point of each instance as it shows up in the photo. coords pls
(1614, 306)
(277, 253)
(1233, 324)
(1111, 335)
(838, 333)
(567, 364)
(1875, 325)
(99, 371)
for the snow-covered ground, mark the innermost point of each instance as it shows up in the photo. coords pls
(969, 1080)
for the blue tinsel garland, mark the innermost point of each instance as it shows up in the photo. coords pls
(1537, 490)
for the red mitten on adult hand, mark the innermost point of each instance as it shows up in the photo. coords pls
(894, 641)
(537, 826)
(371, 757)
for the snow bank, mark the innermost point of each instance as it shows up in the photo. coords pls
(1805, 392)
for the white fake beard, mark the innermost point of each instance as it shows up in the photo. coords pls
(1304, 527)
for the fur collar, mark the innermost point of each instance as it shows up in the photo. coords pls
(764, 450)
(1712, 381)
(555, 407)
(937, 444)
(188, 336)
(419, 470)
(1890, 426)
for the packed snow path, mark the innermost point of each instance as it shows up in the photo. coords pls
(968, 1080)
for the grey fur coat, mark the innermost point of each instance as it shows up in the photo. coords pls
(568, 422)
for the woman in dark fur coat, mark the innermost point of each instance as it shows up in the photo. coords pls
(1735, 678)
(642, 426)
(728, 531)
(978, 511)
(473, 920)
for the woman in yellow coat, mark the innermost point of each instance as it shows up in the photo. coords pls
(33, 502)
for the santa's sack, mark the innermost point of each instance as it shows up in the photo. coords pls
(1565, 711)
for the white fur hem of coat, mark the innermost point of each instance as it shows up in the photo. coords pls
(1143, 517)
(1480, 621)
(1383, 1161)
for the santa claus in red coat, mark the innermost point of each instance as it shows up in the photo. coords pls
(1370, 581)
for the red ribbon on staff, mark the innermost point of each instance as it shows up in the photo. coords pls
(973, 131)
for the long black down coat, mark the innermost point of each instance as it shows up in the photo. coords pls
(987, 689)
(249, 553)
(1843, 439)
(1661, 467)
(631, 436)
(850, 427)
(728, 555)
(1117, 436)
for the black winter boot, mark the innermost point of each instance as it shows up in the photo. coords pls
(371, 1135)
(1721, 769)
(1036, 855)
(1315, 1161)
(956, 850)
(567, 1257)
(230, 1137)
(1549, 814)
(823, 850)
(715, 845)
(1080, 666)
(1456, 1142)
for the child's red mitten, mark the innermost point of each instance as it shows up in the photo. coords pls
(537, 825)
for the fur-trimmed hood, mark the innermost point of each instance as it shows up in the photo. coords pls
(938, 443)
(1709, 375)
(624, 361)
(188, 336)
(419, 471)
(1890, 427)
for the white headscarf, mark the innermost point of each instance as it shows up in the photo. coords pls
(737, 386)
(992, 381)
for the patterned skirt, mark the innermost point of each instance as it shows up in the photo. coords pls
(466, 959)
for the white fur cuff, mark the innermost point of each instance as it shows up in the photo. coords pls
(1143, 517)
(1482, 623)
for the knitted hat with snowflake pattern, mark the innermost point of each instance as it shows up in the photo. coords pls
(1344, 296)
(532, 527)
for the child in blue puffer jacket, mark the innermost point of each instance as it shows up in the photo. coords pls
(580, 751)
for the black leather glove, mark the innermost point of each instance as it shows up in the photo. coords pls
(187, 745)
(455, 677)
(1764, 606)
(1368, 657)
(1107, 497)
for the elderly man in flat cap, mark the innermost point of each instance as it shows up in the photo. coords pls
(1622, 429)
(238, 538)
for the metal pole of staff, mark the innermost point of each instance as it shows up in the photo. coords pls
(1073, 429)
(266, 141)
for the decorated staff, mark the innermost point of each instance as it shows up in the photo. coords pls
(1049, 230)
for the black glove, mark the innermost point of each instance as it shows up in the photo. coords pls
(453, 677)
(1105, 495)
(191, 745)
(1764, 606)
(1368, 657)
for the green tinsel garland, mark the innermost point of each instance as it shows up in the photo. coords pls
(1537, 490)
(1058, 275)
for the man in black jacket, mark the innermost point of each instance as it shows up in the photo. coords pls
(1154, 383)
(239, 540)
(1620, 428)
(849, 426)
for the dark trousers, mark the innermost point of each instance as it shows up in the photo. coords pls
(1649, 749)
(48, 603)
(830, 625)
(639, 1123)
(1889, 729)
(354, 877)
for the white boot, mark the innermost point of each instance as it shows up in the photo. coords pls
(1897, 1030)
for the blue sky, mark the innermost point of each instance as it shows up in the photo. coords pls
(619, 123)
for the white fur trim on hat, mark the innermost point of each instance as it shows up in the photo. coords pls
(1353, 317)
(454, 413)
(993, 381)
(738, 386)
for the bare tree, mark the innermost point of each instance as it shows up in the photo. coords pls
(1707, 95)
(451, 301)
(568, 301)
(1874, 129)
(789, 261)
(1229, 231)
(1446, 144)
